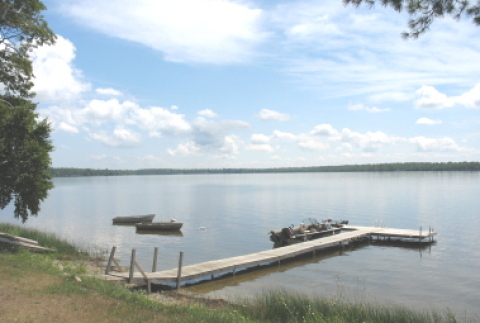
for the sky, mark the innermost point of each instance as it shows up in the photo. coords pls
(254, 84)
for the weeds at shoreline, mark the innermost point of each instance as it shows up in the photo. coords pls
(53, 241)
(283, 306)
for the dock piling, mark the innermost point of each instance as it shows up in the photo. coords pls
(110, 259)
(179, 272)
(132, 268)
(155, 256)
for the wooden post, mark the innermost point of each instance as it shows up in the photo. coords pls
(132, 268)
(179, 272)
(149, 286)
(112, 254)
(420, 237)
(155, 255)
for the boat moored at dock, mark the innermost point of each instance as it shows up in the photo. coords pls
(309, 229)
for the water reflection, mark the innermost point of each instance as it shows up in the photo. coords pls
(176, 233)
(218, 282)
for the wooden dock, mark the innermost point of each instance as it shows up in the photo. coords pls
(233, 264)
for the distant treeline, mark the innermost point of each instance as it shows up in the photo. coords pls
(391, 167)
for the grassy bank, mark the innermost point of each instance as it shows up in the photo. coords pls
(58, 286)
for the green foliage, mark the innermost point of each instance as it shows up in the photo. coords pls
(24, 157)
(424, 12)
(24, 141)
(22, 28)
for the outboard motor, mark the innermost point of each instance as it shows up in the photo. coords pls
(286, 234)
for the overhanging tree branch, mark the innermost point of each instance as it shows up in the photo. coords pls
(424, 12)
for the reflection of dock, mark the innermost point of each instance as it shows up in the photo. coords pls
(233, 264)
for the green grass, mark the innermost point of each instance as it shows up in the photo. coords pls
(53, 241)
(277, 306)
(283, 306)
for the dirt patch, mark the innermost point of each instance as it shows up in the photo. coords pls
(26, 296)
(30, 294)
(179, 298)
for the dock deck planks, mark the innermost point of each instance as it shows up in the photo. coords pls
(209, 268)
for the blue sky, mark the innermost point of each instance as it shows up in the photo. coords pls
(218, 83)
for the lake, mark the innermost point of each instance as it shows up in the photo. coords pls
(239, 210)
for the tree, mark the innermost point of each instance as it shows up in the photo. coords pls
(424, 12)
(22, 28)
(24, 157)
(24, 141)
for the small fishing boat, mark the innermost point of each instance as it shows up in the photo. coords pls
(160, 226)
(133, 219)
(309, 229)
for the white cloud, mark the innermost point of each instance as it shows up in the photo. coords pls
(430, 98)
(261, 147)
(56, 78)
(432, 144)
(185, 149)
(155, 120)
(108, 91)
(207, 113)
(428, 122)
(231, 145)
(121, 137)
(204, 31)
(62, 126)
(59, 116)
(210, 135)
(102, 111)
(314, 140)
(266, 114)
(259, 139)
(160, 121)
(284, 135)
(470, 99)
(206, 136)
(260, 142)
(311, 144)
(370, 141)
(361, 107)
(324, 130)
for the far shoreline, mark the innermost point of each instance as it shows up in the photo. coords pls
(382, 167)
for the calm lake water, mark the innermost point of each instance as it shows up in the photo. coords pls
(239, 210)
